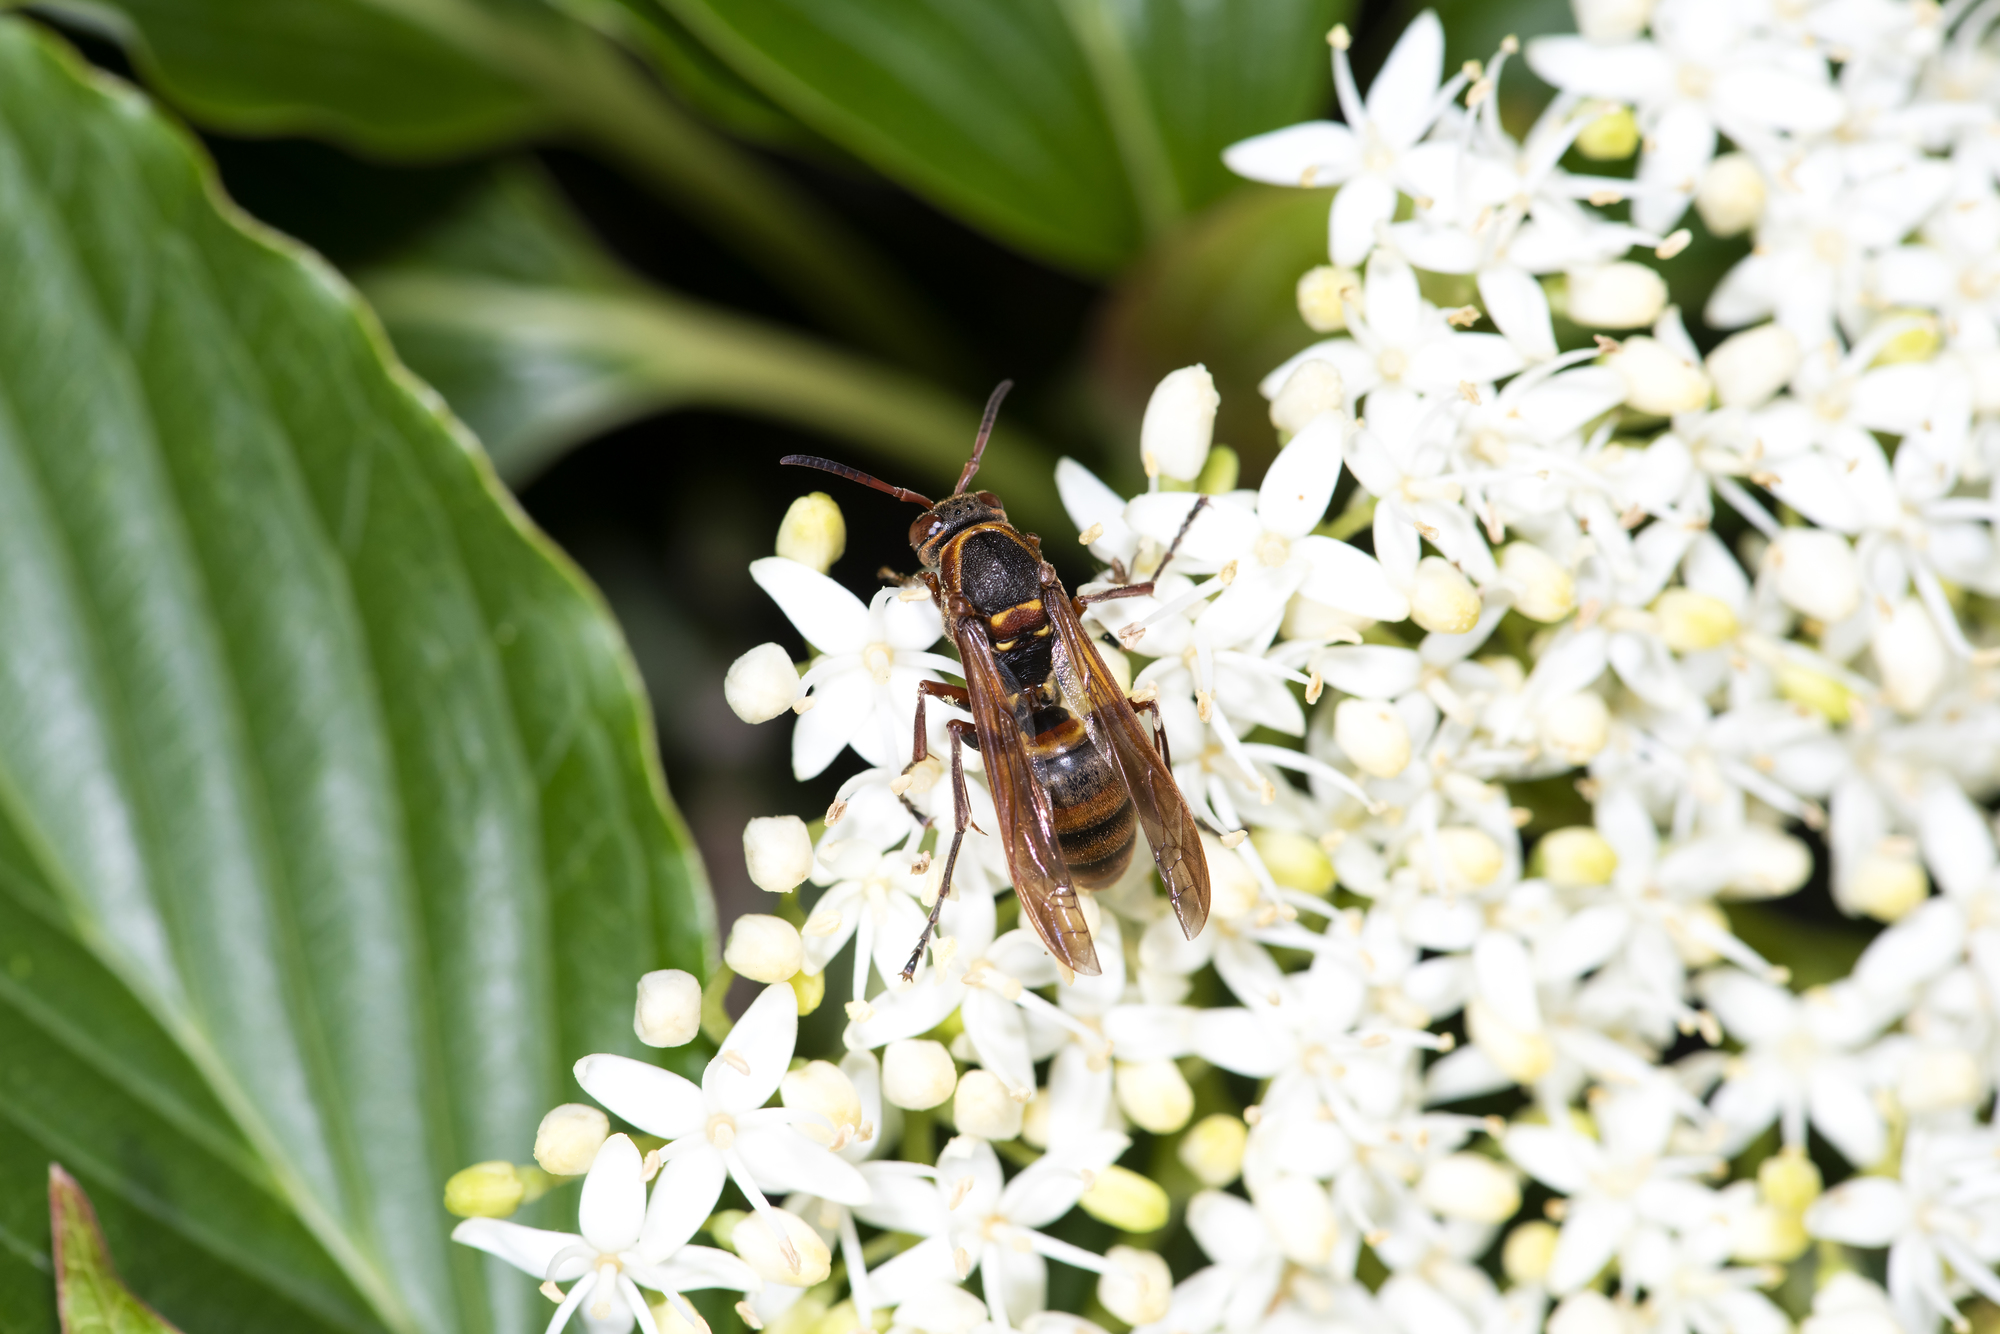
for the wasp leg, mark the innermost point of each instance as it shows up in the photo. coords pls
(960, 731)
(1146, 589)
(1152, 706)
(920, 750)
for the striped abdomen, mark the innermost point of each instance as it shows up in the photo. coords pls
(1094, 824)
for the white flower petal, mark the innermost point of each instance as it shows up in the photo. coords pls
(1592, 1232)
(1866, 1211)
(1363, 204)
(529, 1249)
(1623, 72)
(1399, 101)
(1318, 152)
(684, 1195)
(762, 1043)
(1299, 483)
(1395, 305)
(842, 705)
(831, 618)
(613, 1207)
(1520, 309)
(1956, 840)
(783, 1161)
(657, 1101)
(908, 626)
(1553, 1157)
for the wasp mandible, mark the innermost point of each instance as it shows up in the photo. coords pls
(1074, 772)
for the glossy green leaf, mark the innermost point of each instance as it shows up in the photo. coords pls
(1074, 129)
(330, 827)
(90, 1295)
(429, 78)
(540, 342)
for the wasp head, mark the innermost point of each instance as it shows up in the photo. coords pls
(954, 514)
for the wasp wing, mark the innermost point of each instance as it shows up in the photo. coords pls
(1027, 821)
(1115, 727)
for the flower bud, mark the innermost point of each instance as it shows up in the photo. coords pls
(1622, 295)
(1816, 572)
(813, 532)
(1136, 1285)
(1233, 888)
(1611, 20)
(763, 948)
(1612, 137)
(1471, 858)
(1300, 1215)
(762, 684)
(1179, 424)
(1127, 1201)
(917, 1073)
(1313, 388)
(1885, 886)
(984, 1108)
(484, 1190)
(1528, 1252)
(809, 989)
(1323, 295)
(1750, 366)
(778, 851)
(1443, 600)
(1919, 341)
(669, 1009)
(1656, 380)
(1575, 727)
(567, 1141)
(928, 1308)
(1764, 1235)
(1294, 861)
(1154, 1094)
(822, 1088)
(1575, 858)
(755, 1239)
(1789, 1181)
(1939, 1079)
(1692, 622)
(1544, 589)
(1730, 197)
(1585, 1312)
(1909, 655)
(667, 1316)
(1522, 1056)
(1306, 619)
(1816, 691)
(1213, 1149)
(1372, 733)
(1470, 1186)
(1035, 1120)
(1767, 865)
(1219, 471)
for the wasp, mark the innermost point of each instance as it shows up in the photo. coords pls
(1075, 773)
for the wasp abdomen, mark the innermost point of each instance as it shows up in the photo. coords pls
(1093, 811)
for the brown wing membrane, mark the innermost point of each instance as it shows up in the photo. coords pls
(1027, 822)
(1163, 812)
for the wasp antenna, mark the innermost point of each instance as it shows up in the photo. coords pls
(856, 475)
(985, 430)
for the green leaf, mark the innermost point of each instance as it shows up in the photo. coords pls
(89, 1293)
(1222, 292)
(331, 831)
(539, 342)
(1074, 129)
(429, 78)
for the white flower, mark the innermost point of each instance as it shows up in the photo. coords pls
(720, 1128)
(1615, 1183)
(1370, 156)
(970, 1218)
(864, 686)
(621, 1243)
(1940, 1221)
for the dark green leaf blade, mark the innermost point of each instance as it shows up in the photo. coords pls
(324, 756)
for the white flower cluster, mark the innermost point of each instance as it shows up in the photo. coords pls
(1551, 601)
